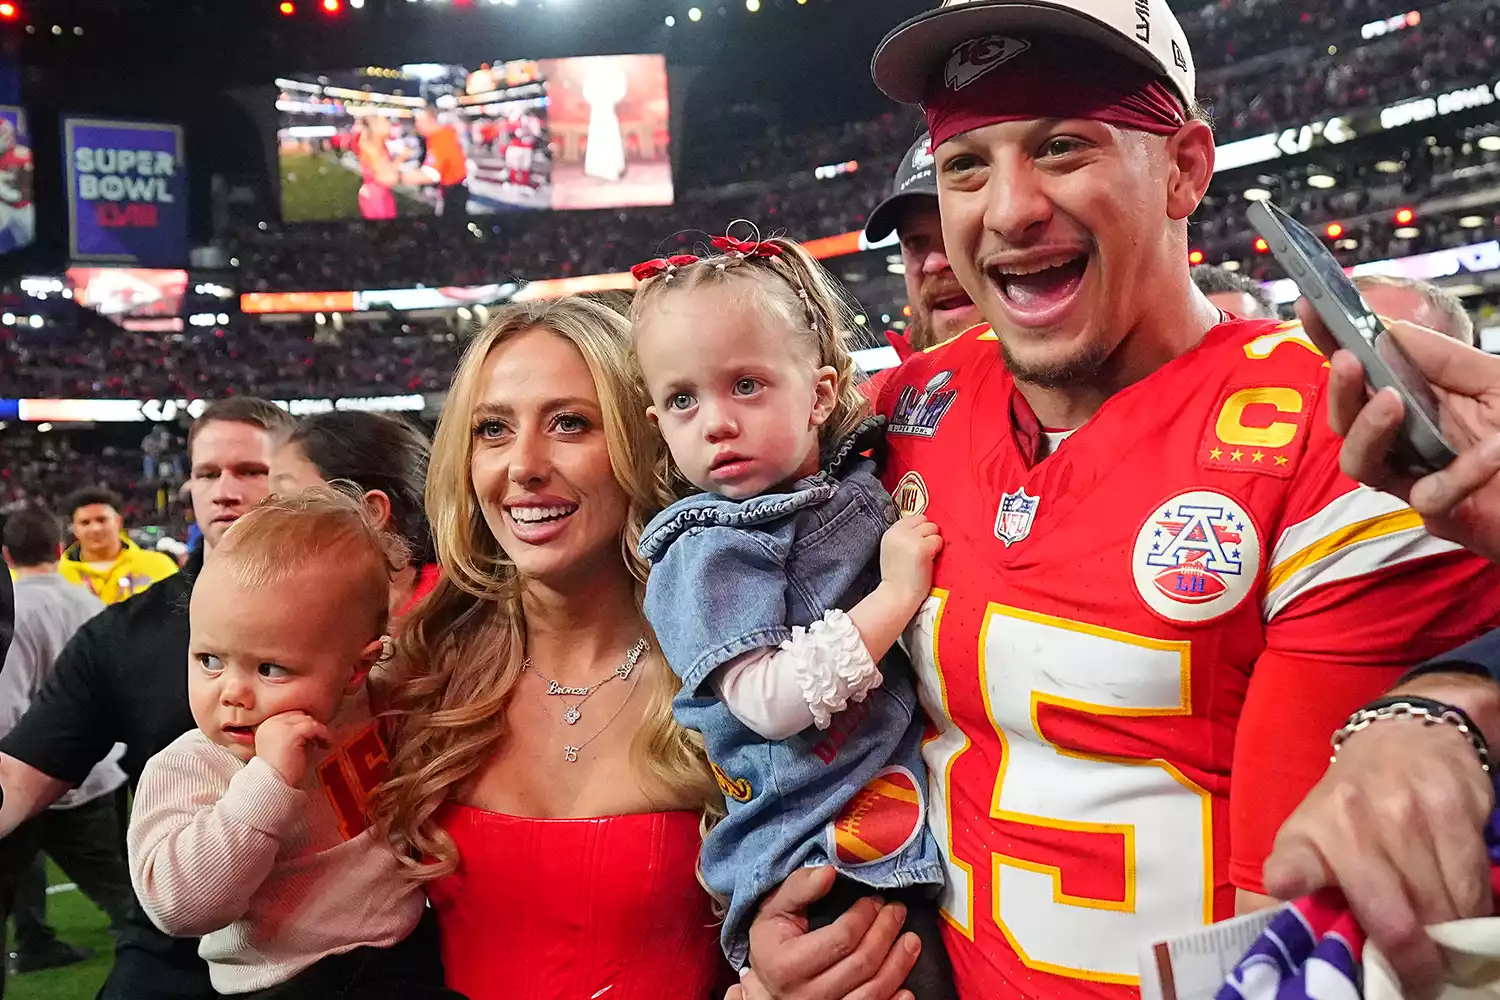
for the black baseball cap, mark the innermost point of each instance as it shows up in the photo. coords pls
(914, 178)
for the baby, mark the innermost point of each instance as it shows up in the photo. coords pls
(777, 592)
(250, 830)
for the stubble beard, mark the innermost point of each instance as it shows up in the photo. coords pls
(1081, 369)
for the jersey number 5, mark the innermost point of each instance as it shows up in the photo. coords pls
(1163, 819)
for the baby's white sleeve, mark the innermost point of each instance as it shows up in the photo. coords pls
(804, 682)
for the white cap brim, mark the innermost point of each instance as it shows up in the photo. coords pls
(909, 55)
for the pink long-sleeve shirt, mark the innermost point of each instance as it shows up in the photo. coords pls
(272, 877)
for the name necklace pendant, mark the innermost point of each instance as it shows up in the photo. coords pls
(572, 713)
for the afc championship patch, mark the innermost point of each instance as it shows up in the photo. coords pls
(910, 494)
(1196, 557)
(919, 411)
(879, 822)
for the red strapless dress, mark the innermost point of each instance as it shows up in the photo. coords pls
(576, 909)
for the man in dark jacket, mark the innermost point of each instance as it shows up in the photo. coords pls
(123, 679)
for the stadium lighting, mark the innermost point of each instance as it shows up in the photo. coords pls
(1195, 257)
(1408, 233)
(1471, 221)
(8, 11)
(1404, 216)
(287, 8)
(1261, 246)
(1322, 180)
(694, 14)
(1256, 194)
(1334, 230)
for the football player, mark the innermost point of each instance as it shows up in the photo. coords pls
(17, 216)
(1155, 572)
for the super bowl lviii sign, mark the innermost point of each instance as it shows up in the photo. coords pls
(127, 192)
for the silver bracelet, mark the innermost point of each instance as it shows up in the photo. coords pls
(1428, 712)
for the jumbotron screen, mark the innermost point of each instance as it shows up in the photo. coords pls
(425, 139)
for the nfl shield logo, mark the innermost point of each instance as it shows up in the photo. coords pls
(1017, 511)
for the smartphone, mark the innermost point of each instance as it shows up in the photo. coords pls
(1421, 447)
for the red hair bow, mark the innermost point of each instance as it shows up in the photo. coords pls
(745, 248)
(648, 269)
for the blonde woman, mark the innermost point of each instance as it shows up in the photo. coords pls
(538, 783)
(378, 175)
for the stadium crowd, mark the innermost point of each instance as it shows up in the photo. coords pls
(43, 469)
(298, 360)
(1275, 79)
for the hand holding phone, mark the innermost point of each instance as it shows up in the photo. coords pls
(1460, 502)
(1420, 447)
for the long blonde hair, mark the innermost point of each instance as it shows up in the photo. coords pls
(461, 650)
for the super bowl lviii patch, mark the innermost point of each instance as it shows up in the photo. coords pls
(919, 411)
(1196, 557)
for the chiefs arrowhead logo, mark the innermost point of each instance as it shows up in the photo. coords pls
(976, 57)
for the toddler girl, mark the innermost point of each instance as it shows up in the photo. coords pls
(777, 592)
(250, 831)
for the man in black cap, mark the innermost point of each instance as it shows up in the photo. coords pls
(940, 308)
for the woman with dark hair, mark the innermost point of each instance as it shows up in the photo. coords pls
(386, 459)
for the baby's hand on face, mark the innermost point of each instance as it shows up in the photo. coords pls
(283, 741)
(907, 553)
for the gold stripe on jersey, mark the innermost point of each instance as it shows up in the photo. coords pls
(988, 334)
(1360, 532)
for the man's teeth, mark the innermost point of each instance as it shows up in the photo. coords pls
(531, 515)
(1015, 270)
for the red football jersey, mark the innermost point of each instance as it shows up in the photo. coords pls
(1102, 619)
(15, 177)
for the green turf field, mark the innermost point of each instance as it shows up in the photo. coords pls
(317, 186)
(77, 921)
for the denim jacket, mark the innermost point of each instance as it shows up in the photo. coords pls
(732, 576)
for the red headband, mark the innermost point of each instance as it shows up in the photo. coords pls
(1001, 79)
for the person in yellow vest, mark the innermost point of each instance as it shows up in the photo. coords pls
(102, 558)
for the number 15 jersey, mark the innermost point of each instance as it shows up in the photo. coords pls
(1186, 583)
